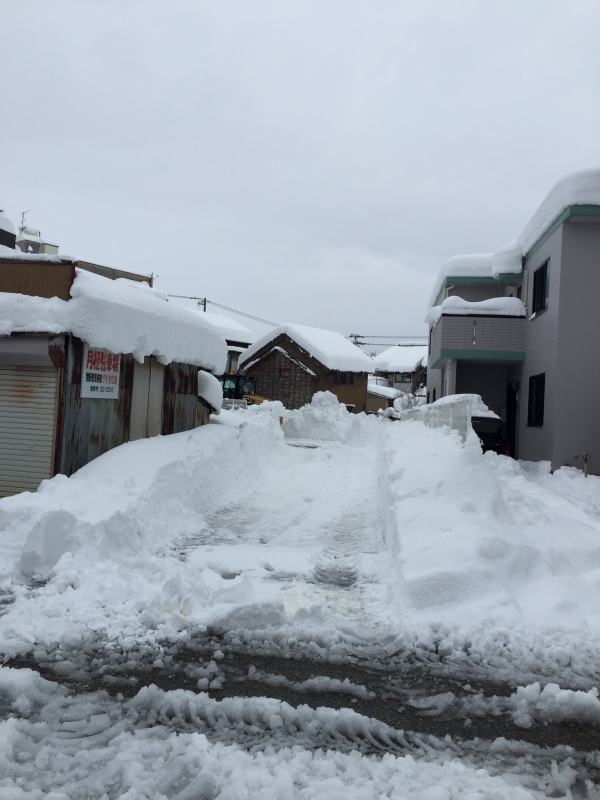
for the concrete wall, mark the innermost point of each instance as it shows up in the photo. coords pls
(541, 352)
(577, 379)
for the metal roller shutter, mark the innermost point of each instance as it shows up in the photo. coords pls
(27, 425)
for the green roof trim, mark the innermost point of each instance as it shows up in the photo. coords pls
(477, 355)
(567, 214)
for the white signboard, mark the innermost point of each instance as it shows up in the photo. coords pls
(100, 373)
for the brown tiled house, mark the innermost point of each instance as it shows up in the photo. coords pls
(293, 362)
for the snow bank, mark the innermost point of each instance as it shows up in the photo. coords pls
(488, 576)
(120, 316)
(495, 306)
(332, 349)
(552, 704)
(210, 390)
(400, 358)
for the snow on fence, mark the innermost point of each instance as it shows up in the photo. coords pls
(454, 411)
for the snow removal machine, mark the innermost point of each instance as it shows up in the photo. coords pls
(239, 391)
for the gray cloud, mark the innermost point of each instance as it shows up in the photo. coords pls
(307, 161)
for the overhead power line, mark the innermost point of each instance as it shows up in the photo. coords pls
(243, 313)
(202, 301)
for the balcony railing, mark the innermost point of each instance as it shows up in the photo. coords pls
(477, 337)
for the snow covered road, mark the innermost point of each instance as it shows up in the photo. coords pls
(386, 585)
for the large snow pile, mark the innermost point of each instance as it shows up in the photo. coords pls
(120, 316)
(332, 529)
(400, 358)
(495, 306)
(332, 349)
(324, 418)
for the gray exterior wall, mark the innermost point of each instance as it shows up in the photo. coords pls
(577, 376)
(541, 351)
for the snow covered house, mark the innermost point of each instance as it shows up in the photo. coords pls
(520, 328)
(88, 363)
(292, 362)
(380, 394)
(237, 336)
(399, 363)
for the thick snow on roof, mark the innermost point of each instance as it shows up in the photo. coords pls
(579, 188)
(399, 358)
(477, 265)
(19, 255)
(6, 224)
(379, 390)
(332, 349)
(229, 328)
(495, 306)
(120, 316)
(210, 390)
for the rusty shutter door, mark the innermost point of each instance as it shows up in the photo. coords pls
(27, 427)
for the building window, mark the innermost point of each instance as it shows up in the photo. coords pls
(540, 289)
(343, 377)
(535, 405)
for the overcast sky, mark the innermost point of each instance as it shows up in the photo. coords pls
(304, 161)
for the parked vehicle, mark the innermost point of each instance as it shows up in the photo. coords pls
(492, 434)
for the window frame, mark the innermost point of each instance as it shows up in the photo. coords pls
(535, 291)
(536, 400)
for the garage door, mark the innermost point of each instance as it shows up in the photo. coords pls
(27, 425)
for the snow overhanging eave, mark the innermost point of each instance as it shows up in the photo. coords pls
(575, 210)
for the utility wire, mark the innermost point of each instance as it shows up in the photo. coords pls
(243, 313)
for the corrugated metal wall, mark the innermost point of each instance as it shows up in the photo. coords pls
(28, 398)
(41, 278)
(180, 402)
(90, 426)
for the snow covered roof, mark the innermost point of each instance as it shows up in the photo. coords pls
(379, 390)
(400, 358)
(19, 255)
(577, 189)
(495, 306)
(121, 316)
(332, 349)
(210, 390)
(478, 265)
(6, 225)
(229, 328)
